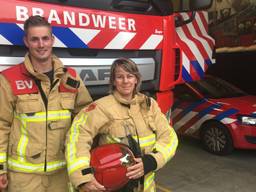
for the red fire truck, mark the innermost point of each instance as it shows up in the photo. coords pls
(167, 39)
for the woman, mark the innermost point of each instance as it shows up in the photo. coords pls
(119, 117)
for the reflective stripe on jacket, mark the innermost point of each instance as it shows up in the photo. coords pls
(33, 126)
(113, 119)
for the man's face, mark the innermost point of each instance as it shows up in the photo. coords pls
(39, 41)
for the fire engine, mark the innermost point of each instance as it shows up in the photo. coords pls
(167, 39)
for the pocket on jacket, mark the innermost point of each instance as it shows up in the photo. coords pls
(152, 125)
(28, 103)
(34, 153)
(57, 125)
(149, 120)
(58, 131)
(121, 127)
(68, 101)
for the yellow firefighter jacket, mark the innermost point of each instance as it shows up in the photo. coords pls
(113, 118)
(34, 117)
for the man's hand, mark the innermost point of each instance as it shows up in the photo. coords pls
(3, 181)
(136, 171)
(91, 186)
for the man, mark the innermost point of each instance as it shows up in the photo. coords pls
(38, 100)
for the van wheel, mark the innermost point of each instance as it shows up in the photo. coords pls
(216, 138)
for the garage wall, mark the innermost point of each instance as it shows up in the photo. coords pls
(233, 25)
(238, 68)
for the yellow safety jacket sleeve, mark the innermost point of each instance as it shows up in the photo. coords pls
(86, 125)
(166, 138)
(6, 116)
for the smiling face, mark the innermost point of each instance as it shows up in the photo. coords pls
(125, 83)
(39, 41)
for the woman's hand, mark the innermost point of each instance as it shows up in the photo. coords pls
(92, 186)
(136, 171)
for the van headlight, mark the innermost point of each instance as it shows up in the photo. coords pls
(247, 119)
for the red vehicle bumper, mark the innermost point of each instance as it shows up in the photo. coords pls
(244, 136)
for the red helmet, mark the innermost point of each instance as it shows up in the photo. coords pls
(109, 163)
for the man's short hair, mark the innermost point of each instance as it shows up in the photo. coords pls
(34, 21)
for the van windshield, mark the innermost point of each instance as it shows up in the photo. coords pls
(215, 88)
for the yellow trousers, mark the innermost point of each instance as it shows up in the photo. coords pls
(30, 182)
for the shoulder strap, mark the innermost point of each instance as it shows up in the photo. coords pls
(70, 83)
(20, 80)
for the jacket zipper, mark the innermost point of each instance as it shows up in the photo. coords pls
(45, 100)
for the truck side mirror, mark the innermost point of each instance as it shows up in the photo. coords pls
(179, 20)
(190, 5)
(195, 5)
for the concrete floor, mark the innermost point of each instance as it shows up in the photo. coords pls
(195, 170)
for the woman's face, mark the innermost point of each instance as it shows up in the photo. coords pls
(125, 83)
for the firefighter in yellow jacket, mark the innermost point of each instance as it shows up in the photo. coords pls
(38, 99)
(125, 116)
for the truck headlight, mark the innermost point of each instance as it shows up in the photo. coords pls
(247, 119)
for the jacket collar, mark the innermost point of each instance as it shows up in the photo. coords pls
(57, 67)
(137, 99)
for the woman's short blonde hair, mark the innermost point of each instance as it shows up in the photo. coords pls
(129, 66)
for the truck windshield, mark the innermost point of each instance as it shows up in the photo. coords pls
(149, 7)
(215, 88)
